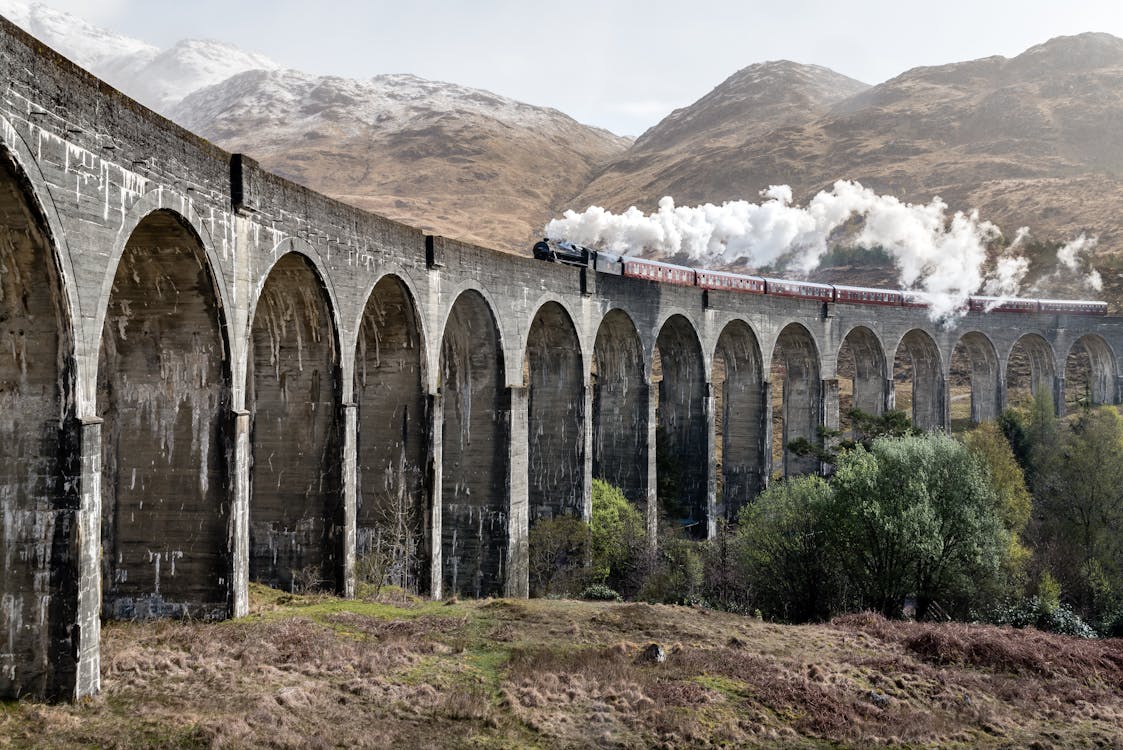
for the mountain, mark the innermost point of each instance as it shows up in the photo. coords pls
(1035, 140)
(683, 155)
(461, 162)
(155, 78)
(450, 159)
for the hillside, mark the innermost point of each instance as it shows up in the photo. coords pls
(1029, 141)
(399, 672)
(450, 159)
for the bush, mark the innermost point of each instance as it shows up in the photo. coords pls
(675, 575)
(559, 551)
(1043, 614)
(783, 548)
(1112, 626)
(618, 537)
(598, 592)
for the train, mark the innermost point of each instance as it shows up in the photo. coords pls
(570, 253)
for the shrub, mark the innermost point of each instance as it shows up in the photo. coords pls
(783, 552)
(559, 550)
(1041, 613)
(618, 537)
(675, 575)
(598, 592)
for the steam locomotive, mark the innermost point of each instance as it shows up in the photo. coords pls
(562, 251)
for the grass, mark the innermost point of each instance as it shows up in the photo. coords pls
(396, 671)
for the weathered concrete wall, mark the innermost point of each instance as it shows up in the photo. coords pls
(620, 408)
(284, 373)
(556, 412)
(683, 457)
(393, 523)
(296, 509)
(36, 505)
(744, 443)
(164, 397)
(474, 498)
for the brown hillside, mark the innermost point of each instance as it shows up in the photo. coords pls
(395, 671)
(1036, 140)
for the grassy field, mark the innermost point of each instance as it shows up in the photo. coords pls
(395, 671)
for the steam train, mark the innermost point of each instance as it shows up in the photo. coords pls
(562, 251)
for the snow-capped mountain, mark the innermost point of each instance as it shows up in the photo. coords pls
(190, 65)
(155, 78)
(451, 159)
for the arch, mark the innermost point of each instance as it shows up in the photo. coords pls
(975, 357)
(163, 394)
(863, 367)
(620, 407)
(299, 247)
(157, 202)
(475, 498)
(293, 392)
(1030, 369)
(1090, 375)
(795, 361)
(554, 376)
(740, 439)
(551, 299)
(681, 445)
(392, 515)
(917, 362)
(38, 576)
(473, 286)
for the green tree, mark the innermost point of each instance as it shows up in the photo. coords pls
(917, 515)
(865, 427)
(989, 444)
(559, 552)
(1079, 513)
(618, 538)
(785, 552)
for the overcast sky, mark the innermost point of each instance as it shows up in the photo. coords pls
(620, 64)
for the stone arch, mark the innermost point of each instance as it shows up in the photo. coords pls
(975, 360)
(1030, 369)
(795, 362)
(511, 374)
(164, 395)
(38, 499)
(1090, 375)
(864, 371)
(475, 496)
(391, 512)
(918, 363)
(555, 380)
(293, 392)
(740, 438)
(620, 407)
(682, 444)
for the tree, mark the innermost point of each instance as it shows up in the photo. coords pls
(559, 552)
(785, 551)
(617, 538)
(866, 428)
(989, 444)
(1079, 513)
(917, 515)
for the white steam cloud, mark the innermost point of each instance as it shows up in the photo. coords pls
(941, 255)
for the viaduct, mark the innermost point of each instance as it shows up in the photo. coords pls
(210, 375)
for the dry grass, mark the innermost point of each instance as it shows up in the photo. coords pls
(400, 672)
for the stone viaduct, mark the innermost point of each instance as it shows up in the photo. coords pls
(210, 375)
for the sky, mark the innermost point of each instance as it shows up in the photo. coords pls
(618, 64)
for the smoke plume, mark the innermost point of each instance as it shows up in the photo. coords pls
(945, 256)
